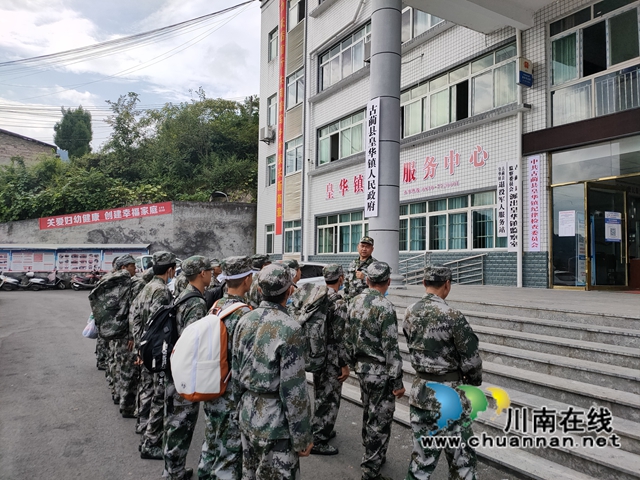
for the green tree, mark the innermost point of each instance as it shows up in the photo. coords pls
(73, 132)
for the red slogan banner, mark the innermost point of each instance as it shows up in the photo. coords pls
(112, 215)
(282, 60)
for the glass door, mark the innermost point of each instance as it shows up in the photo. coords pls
(607, 221)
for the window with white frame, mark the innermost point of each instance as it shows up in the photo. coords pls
(295, 88)
(293, 161)
(341, 233)
(341, 139)
(296, 13)
(345, 58)
(464, 222)
(272, 110)
(269, 238)
(595, 61)
(292, 236)
(470, 89)
(271, 170)
(273, 45)
(415, 22)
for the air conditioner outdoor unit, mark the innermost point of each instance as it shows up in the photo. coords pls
(267, 135)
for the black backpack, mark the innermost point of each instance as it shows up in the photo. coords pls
(161, 336)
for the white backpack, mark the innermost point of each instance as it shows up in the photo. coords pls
(200, 361)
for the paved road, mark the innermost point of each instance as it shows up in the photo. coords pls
(57, 420)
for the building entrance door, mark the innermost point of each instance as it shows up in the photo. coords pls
(607, 226)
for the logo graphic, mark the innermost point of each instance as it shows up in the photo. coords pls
(451, 405)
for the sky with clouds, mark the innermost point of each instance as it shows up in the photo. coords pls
(220, 55)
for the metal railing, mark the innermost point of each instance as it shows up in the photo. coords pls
(412, 269)
(469, 270)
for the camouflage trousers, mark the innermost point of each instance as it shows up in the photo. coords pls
(145, 392)
(125, 376)
(274, 460)
(221, 456)
(327, 390)
(151, 441)
(180, 417)
(462, 460)
(112, 370)
(378, 405)
(101, 353)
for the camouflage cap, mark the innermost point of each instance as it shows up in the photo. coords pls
(366, 239)
(378, 272)
(259, 260)
(164, 258)
(274, 279)
(291, 263)
(332, 272)
(147, 275)
(195, 264)
(215, 262)
(437, 273)
(235, 267)
(120, 262)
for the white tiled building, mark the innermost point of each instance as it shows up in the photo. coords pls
(461, 111)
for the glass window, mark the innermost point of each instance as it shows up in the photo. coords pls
(344, 58)
(602, 8)
(459, 74)
(506, 53)
(406, 24)
(295, 88)
(341, 139)
(571, 21)
(480, 199)
(269, 234)
(458, 231)
(271, 170)
(293, 161)
(437, 83)
(438, 232)
(458, 202)
(483, 229)
(594, 49)
(437, 205)
(439, 108)
(504, 87)
(482, 63)
(568, 261)
(404, 222)
(292, 236)
(624, 37)
(571, 104)
(296, 13)
(340, 233)
(564, 60)
(418, 232)
(273, 45)
(413, 118)
(416, 208)
(483, 92)
(272, 110)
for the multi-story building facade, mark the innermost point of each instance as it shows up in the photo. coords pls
(568, 147)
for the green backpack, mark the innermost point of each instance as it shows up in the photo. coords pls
(309, 307)
(110, 301)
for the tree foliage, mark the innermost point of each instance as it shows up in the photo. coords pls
(73, 133)
(179, 152)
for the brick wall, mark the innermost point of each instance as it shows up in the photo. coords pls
(14, 146)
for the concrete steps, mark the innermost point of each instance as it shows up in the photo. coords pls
(559, 358)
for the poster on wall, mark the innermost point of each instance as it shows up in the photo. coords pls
(4, 261)
(613, 226)
(581, 249)
(109, 255)
(534, 204)
(372, 155)
(567, 223)
(79, 261)
(32, 261)
(502, 200)
(513, 197)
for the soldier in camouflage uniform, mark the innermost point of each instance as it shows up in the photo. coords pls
(221, 455)
(181, 415)
(179, 284)
(373, 350)
(254, 297)
(443, 349)
(217, 270)
(269, 382)
(293, 264)
(355, 281)
(327, 383)
(151, 389)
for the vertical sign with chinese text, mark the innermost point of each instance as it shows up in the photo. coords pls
(282, 61)
(372, 156)
(534, 204)
(503, 209)
(513, 194)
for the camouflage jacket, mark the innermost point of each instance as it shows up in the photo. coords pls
(353, 285)
(190, 311)
(268, 377)
(254, 296)
(137, 284)
(110, 303)
(441, 341)
(154, 295)
(180, 283)
(372, 336)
